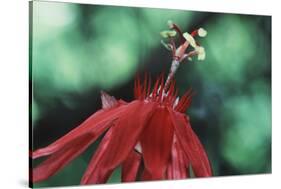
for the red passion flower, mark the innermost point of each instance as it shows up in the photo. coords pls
(150, 138)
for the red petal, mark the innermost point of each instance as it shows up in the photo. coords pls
(137, 88)
(177, 168)
(125, 133)
(191, 145)
(146, 175)
(99, 175)
(61, 158)
(156, 141)
(94, 125)
(130, 167)
(184, 102)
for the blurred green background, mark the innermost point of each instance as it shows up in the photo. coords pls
(78, 50)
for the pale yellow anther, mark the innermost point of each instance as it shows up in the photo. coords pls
(201, 52)
(168, 33)
(189, 39)
(202, 32)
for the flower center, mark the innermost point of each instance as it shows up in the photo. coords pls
(179, 53)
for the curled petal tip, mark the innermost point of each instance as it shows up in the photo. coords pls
(107, 100)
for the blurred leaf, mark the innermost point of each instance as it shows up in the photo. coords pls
(230, 48)
(247, 130)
